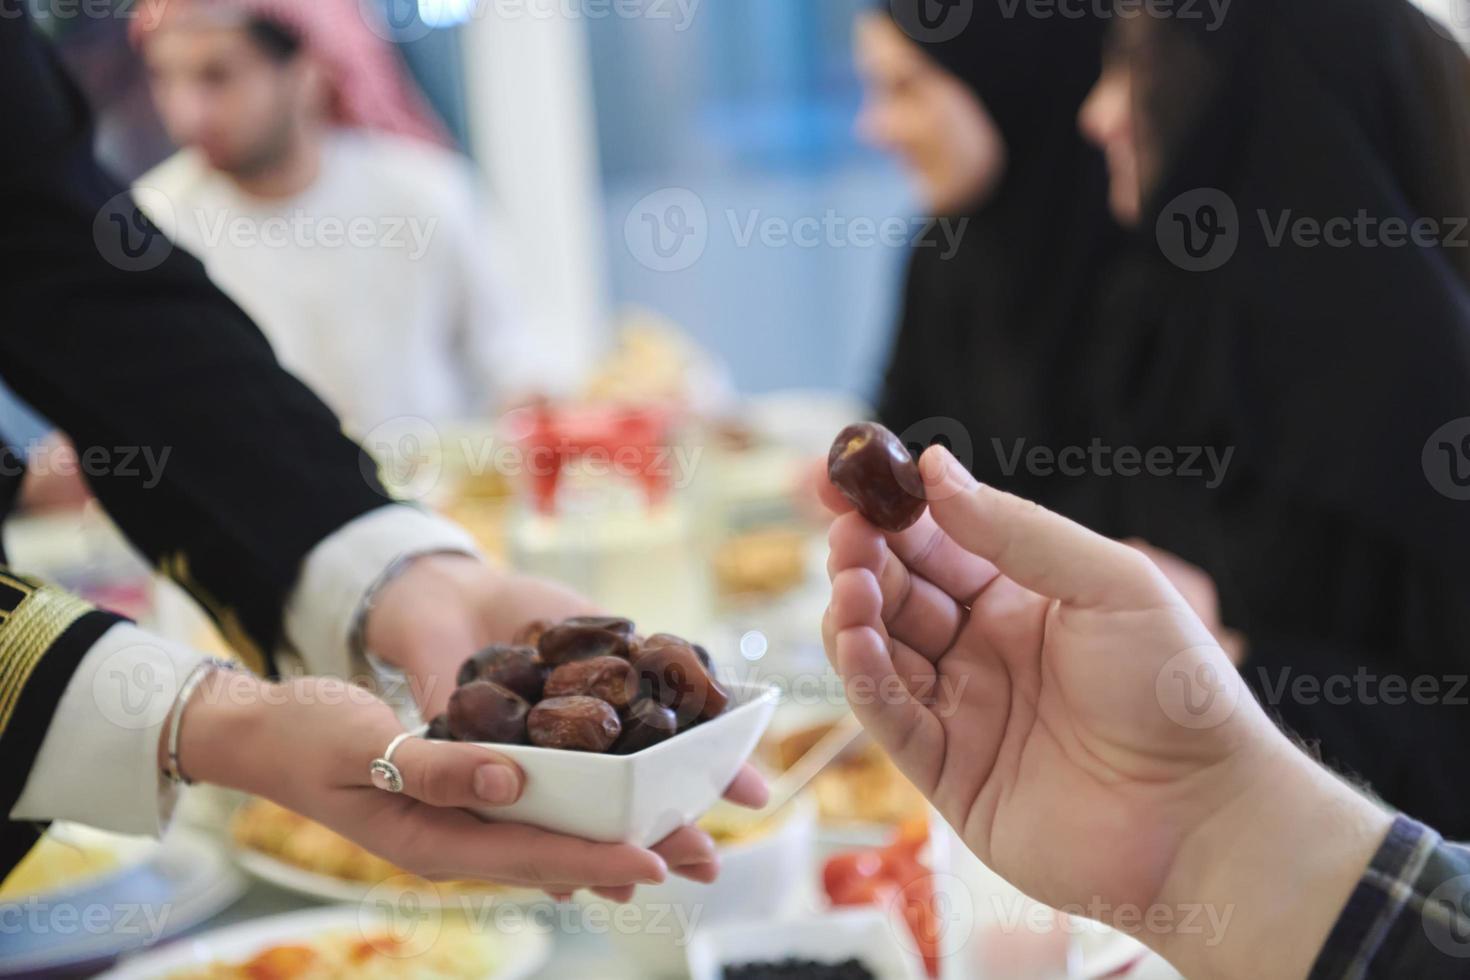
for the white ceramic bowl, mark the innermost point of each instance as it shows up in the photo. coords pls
(868, 935)
(770, 876)
(642, 798)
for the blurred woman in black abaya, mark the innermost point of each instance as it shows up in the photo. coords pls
(985, 122)
(1279, 304)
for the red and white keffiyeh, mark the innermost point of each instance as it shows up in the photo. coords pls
(370, 87)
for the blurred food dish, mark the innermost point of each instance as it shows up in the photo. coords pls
(728, 828)
(765, 562)
(898, 877)
(653, 361)
(457, 953)
(72, 857)
(124, 893)
(868, 936)
(292, 852)
(328, 944)
(862, 787)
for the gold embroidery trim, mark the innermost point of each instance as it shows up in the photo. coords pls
(31, 629)
(176, 567)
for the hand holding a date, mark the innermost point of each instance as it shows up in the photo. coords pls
(1066, 711)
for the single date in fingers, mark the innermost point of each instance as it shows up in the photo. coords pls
(873, 470)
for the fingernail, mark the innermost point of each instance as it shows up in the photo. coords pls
(712, 863)
(659, 877)
(938, 467)
(496, 785)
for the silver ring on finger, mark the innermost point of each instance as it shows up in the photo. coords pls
(383, 773)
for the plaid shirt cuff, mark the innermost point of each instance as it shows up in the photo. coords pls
(1409, 916)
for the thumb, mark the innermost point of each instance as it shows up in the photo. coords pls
(447, 774)
(1039, 550)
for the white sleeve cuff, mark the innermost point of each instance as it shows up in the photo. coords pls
(98, 764)
(340, 571)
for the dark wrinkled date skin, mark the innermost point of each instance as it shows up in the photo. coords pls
(439, 729)
(703, 656)
(483, 711)
(573, 641)
(613, 624)
(515, 667)
(673, 675)
(646, 724)
(577, 724)
(669, 639)
(610, 679)
(873, 470)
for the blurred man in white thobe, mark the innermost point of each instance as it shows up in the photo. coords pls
(317, 189)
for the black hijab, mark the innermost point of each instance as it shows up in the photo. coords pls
(987, 341)
(1326, 369)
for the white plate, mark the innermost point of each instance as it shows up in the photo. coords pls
(523, 952)
(868, 935)
(128, 854)
(182, 882)
(327, 888)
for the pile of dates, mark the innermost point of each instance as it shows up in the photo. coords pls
(589, 684)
